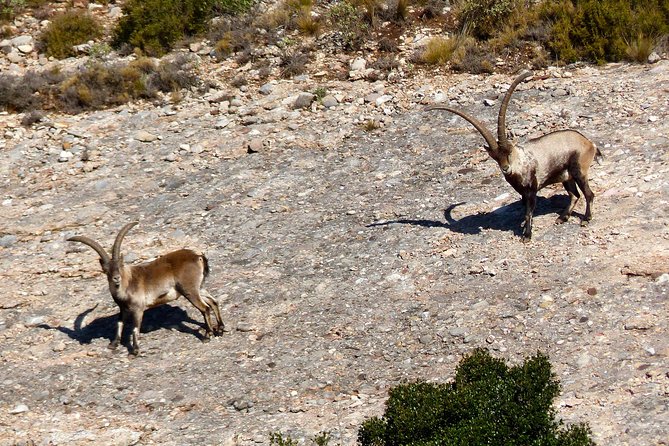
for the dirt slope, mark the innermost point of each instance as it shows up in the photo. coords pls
(346, 260)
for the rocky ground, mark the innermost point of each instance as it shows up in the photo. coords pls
(355, 243)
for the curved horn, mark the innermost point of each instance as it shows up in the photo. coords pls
(93, 244)
(489, 139)
(501, 118)
(116, 249)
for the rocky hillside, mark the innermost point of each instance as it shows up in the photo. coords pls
(356, 241)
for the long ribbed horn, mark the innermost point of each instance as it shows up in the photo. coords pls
(489, 139)
(93, 244)
(116, 249)
(501, 118)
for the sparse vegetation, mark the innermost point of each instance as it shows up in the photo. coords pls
(307, 24)
(67, 30)
(484, 32)
(349, 25)
(322, 439)
(487, 403)
(29, 92)
(388, 45)
(277, 439)
(294, 61)
(10, 8)
(385, 64)
(473, 57)
(639, 48)
(96, 86)
(320, 93)
(439, 50)
(371, 124)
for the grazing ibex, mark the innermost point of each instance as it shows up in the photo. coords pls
(138, 287)
(558, 157)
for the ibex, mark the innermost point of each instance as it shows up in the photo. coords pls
(135, 288)
(563, 157)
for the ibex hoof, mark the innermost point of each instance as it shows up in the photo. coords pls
(112, 345)
(585, 223)
(133, 354)
(561, 219)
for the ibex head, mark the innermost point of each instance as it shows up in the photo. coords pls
(500, 149)
(113, 266)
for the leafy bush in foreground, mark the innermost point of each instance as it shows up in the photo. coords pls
(488, 403)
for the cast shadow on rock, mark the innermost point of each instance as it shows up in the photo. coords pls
(159, 318)
(505, 218)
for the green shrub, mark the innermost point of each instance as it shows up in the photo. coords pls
(154, 26)
(639, 48)
(294, 62)
(306, 23)
(439, 50)
(599, 30)
(232, 6)
(232, 34)
(322, 439)
(349, 25)
(488, 403)
(10, 9)
(483, 18)
(473, 57)
(277, 439)
(67, 30)
(29, 92)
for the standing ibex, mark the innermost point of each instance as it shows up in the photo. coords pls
(558, 157)
(138, 287)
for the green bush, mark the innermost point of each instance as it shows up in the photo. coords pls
(67, 30)
(349, 25)
(483, 18)
(439, 50)
(488, 403)
(105, 85)
(277, 439)
(294, 62)
(30, 92)
(154, 26)
(232, 6)
(601, 30)
(10, 9)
